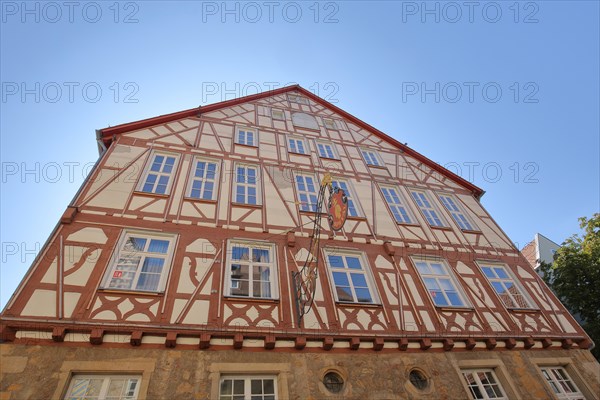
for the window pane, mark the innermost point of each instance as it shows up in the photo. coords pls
(344, 293)
(353, 262)
(158, 246)
(240, 253)
(135, 244)
(340, 279)
(238, 386)
(256, 386)
(358, 280)
(363, 296)
(336, 261)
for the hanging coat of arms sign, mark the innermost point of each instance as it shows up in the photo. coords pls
(337, 209)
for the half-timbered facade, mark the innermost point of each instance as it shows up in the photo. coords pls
(169, 275)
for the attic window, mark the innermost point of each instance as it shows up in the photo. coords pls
(297, 99)
(246, 136)
(303, 120)
(329, 123)
(277, 114)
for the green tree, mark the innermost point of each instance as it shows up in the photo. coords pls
(575, 276)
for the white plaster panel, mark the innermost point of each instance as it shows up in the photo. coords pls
(141, 134)
(177, 308)
(253, 217)
(201, 245)
(382, 262)
(190, 122)
(50, 275)
(198, 313)
(42, 303)
(81, 276)
(426, 320)
(88, 235)
(161, 129)
(70, 302)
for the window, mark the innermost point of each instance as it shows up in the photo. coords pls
(418, 379)
(294, 98)
(246, 136)
(329, 123)
(483, 384)
(505, 286)
(456, 211)
(141, 262)
(248, 387)
(246, 184)
(296, 145)
(251, 270)
(351, 281)
(308, 192)
(157, 178)
(203, 179)
(333, 382)
(561, 383)
(371, 158)
(429, 212)
(99, 387)
(326, 150)
(353, 210)
(277, 114)
(399, 210)
(439, 283)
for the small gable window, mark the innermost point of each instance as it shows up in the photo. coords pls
(157, 177)
(371, 158)
(277, 114)
(329, 123)
(246, 136)
(297, 145)
(326, 150)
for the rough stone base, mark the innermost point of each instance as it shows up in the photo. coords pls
(43, 372)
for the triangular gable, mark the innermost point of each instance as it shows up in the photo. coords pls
(106, 134)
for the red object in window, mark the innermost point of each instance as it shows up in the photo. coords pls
(117, 274)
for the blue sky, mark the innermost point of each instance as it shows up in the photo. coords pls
(504, 93)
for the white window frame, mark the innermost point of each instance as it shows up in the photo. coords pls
(556, 383)
(334, 152)
(277, 110)
(372, 158)
(295, 98)
(481, 385)
(352, 197)
(457, 211)
(309, 205)
(330, 124)
(297, 139)
(114, 272)
(432, 281)
(246, 130)
(251, 264)
(148, 171)
(397, 206)
(257, 185)
(502, 280)
(431, 213)
(203, 180)
(248, 385)
(131, 394)
(365, 270)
